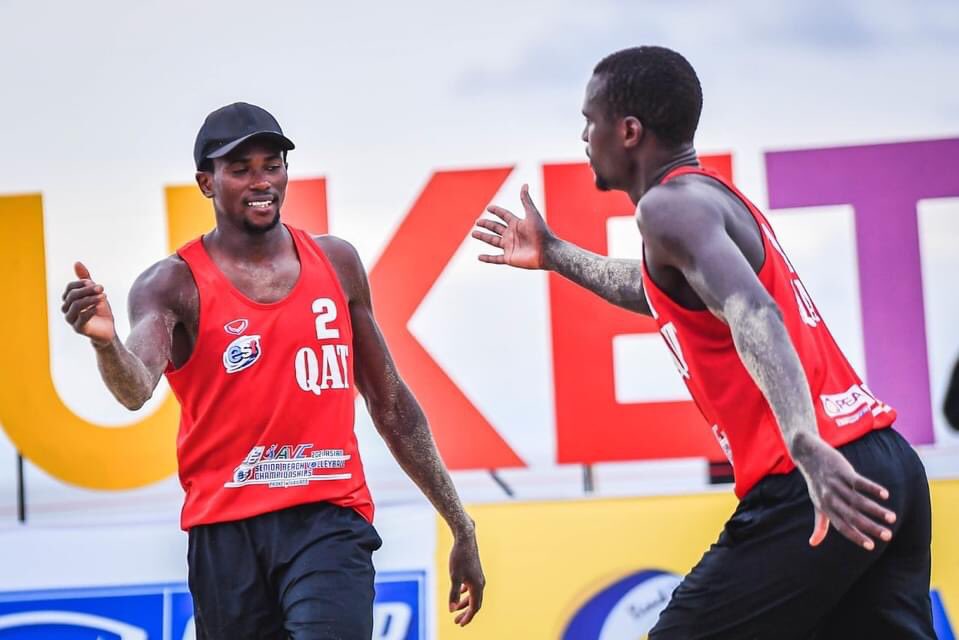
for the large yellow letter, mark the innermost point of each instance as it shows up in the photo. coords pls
(37, 421)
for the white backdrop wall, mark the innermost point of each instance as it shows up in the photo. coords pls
(103, 101)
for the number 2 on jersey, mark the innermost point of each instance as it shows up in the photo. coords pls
(325, 310)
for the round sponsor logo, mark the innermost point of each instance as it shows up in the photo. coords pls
(628, 608)
(241, 353)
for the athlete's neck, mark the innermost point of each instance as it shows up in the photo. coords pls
(661, 162)
(243, 244)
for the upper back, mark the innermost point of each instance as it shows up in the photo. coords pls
(685, 192)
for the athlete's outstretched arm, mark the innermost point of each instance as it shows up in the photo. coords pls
(687, 233)
(403, 425)
(130, 371)
(528, 243)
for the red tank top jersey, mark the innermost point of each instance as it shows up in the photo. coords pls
(703, 350)
(266, 397)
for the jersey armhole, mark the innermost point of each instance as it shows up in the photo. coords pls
(170, 369)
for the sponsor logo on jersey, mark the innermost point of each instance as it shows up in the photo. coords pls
(627, 608)
(242, 353)
(236, 327)
(851, 405)
(280, 466)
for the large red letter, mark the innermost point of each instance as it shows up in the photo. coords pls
(428, 237)
(591, 425)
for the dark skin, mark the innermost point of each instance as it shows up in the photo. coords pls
(259, 258)
(703, 248)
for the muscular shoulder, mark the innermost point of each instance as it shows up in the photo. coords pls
(166, 285)
(693, 214)
(680, 208)
(346, 261)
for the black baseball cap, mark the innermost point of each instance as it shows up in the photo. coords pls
(228, 127)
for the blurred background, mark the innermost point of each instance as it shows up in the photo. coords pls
(585, 465)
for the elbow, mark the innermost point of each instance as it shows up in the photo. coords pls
(387, 421)
(133, 402)
(133, 405)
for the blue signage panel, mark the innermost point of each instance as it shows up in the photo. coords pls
(165, 612)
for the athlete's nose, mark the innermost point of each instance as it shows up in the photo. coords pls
(261, 184)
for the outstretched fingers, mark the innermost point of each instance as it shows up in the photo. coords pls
(488, 238)
(871, 508)
(848, 523)
(868, 487)
(492, 225)
(494, 239)
(501, 213)
(855, 515)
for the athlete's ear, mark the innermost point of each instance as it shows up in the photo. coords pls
(633, 131)
(204, 180)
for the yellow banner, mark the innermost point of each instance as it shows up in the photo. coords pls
(545, 560)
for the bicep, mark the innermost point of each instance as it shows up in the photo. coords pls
(721, 275)
(373, 366)
(374, 371)
(151, 329)
(690, 236)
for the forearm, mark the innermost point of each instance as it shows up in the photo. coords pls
(767, 352)
(404, 427)
(125, 375)
(618, 281)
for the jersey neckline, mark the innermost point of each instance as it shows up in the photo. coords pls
(242, 297)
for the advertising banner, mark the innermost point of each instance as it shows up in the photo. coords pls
(604, 569)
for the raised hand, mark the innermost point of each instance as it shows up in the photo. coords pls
(844, 498)
(86, 309)
(466, 576)
(524, 241)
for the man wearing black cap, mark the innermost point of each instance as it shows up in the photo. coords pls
(262, 332)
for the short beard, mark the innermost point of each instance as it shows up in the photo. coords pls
(255, 230)
(601, 183)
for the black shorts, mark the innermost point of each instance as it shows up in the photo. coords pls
(304, 573)
(761, 579)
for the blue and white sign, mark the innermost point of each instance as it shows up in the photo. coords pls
(122, 613)
(165, 612)
(399, 611)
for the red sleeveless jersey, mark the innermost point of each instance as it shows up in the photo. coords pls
(266, 397)
(703, 350)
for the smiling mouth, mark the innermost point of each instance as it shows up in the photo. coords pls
(262, 203)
